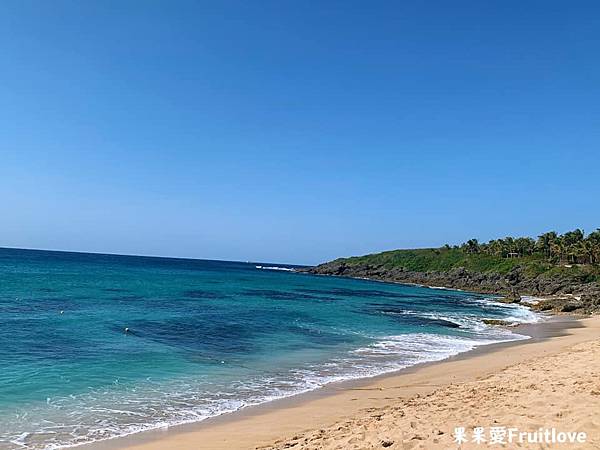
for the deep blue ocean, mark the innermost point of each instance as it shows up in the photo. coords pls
(205, 338)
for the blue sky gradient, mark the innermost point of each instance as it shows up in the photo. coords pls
(295, 131)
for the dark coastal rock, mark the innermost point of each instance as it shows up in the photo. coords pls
(511, 285)
(496, 322)
(509, 300)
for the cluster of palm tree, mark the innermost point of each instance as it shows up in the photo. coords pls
(572, 247)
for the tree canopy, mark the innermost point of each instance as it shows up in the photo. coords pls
(572, 247)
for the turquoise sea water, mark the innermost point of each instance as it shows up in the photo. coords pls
(205, 338)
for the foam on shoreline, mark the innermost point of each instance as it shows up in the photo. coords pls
(385, 356)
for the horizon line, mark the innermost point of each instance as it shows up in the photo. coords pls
(149, 256)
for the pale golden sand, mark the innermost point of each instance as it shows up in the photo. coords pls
(546, 383)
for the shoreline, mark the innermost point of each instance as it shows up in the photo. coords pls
(406, 283)
(557, 294)
(264, 423)
(494, 296)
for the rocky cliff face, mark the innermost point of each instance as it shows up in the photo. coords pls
(567, 294)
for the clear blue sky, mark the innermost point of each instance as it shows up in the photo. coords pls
(295, 131)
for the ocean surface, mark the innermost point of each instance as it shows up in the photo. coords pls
(205, 338)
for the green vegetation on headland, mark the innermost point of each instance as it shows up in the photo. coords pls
(550, 251)
(565, 266)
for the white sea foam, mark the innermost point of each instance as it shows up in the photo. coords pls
(384, 356)
(531, 300)
(442, 288)
(187, 401)
(285, 269)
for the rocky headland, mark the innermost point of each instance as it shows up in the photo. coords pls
(560, 291)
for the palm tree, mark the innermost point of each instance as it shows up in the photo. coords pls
(509, 245)
(572, 241)
(557, 248)
(472, 246)
(593, 241)
(524, 245)
(545, 242)
(587, 250)
(495, 247)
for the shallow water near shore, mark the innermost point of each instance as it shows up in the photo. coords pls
(205, 338)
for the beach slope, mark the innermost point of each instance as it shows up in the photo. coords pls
(549, 382)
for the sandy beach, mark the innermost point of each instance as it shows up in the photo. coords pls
(549, 381)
